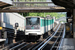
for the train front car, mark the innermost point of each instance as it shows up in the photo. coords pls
(32, 26)
(38, 26)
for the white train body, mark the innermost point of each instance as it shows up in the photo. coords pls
(8, 20)
(38, 25)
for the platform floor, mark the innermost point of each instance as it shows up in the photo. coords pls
(68, 44)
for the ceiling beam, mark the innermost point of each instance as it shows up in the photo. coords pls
(31, 2)
(37, 10)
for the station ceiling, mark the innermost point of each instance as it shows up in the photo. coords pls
(37, 6)
(3, 4)
(65, 3)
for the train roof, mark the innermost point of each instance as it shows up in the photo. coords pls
(40, 17)
(35, 16)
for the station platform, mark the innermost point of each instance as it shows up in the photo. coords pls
(67, 44)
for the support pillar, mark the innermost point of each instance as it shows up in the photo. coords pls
(74, 21)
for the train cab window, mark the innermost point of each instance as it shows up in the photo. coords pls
(32, 23)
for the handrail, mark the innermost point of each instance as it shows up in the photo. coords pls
(49, 39)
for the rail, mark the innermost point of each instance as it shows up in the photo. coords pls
(34, 45)
(59, 46)
(23, 45)
(11, 45)
(43, 41)
(56, 27)
(56, 39)
(49, 39)
(16, 46)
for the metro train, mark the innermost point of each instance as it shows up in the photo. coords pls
(31, 26)
(37, 26)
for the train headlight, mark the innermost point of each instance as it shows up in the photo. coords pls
(0, 28)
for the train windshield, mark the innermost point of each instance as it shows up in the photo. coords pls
(32, 23)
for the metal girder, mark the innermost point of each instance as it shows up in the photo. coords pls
(31, 2)
(37, 10)
(34, 5)
(5, 5)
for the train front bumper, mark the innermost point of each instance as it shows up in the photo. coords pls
(33, 32)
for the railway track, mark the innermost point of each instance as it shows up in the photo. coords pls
(46, 44)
